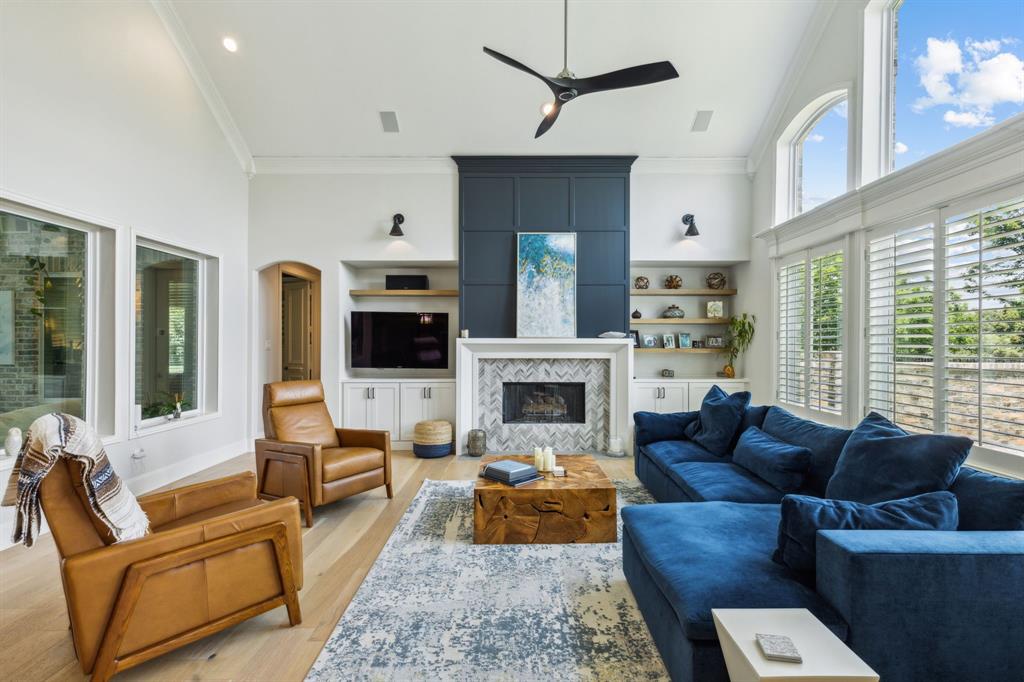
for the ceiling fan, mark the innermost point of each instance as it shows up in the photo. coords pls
(567, 87)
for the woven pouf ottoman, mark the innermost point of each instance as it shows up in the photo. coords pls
(432, 438)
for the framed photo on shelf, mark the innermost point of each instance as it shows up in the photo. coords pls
(684, 339)
(635, 335)
(716, 309)
(668, 340)
(650, 341)
(697, 344)
(714, 341)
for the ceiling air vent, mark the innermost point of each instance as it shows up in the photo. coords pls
(389, 121)
(701, 121)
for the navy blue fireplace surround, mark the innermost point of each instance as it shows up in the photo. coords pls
(502, 195)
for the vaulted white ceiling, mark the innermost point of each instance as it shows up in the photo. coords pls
(309, 78)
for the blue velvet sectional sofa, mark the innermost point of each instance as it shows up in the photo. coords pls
(915, 605)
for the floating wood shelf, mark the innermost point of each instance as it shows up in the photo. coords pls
(678, 350)
(682, 320)
(682, 292)
(450, 293)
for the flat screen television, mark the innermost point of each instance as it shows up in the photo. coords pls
(393, 339)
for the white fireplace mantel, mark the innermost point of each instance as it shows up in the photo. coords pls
(468, 352)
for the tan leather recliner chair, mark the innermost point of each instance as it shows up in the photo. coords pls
(216, 555)
(304, 456)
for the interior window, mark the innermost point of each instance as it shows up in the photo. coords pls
(43, 306)
(958, 70)
(166, 332)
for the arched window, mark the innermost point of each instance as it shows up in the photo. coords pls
(813, 159)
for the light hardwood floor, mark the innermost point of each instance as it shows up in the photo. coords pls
(340, 548)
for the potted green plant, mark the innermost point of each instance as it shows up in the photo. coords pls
(737, 339)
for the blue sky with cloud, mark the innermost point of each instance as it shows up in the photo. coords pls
(960, 71)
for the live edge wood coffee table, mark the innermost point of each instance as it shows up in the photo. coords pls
(579, 507)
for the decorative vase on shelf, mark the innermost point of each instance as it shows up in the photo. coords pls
(636, 315)
(641, 282)
(673, 282)
(729, 371)
(673, 312)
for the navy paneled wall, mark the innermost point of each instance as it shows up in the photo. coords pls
(502, 195)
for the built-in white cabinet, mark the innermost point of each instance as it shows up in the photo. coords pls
(422, 401)
(396, 405)
(676, 395)
(659, 397)
(371, 406)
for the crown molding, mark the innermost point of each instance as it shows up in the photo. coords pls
(354, 165)
(1001, 142)
(179, 36)
(809, 42)
(569, 163)
(444, 165)
(666, 165)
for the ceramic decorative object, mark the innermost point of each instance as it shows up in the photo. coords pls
(636, 315)
(716, 280)
(673, 312)
(729, 371)
(476, 442)
(668, 373)
(12, 445)
(673, 282)
(641, 282)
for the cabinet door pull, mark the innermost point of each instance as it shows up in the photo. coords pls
(430, 393)
(373, 393)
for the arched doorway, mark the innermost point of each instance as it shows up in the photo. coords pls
(290, 329)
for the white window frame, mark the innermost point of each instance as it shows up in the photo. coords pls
(878, 79)
(97, 393)
(207, 333)
(788, 149)
(807, 256)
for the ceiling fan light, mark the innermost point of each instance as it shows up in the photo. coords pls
(547, 108)
(230, 44)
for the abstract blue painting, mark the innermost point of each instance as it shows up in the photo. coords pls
(546, 285)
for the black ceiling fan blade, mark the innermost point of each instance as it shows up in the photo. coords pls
(504, 59)
(645, 74)
(549, 119)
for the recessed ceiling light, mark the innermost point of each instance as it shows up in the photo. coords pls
(230, 44)
(389, 121)
(701, 121)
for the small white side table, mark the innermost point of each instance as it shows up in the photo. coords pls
(826, 658)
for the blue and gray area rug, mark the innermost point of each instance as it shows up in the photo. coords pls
(437, 607)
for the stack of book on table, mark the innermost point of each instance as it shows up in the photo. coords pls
(511, 472)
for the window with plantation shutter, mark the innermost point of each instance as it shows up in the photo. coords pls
(810, 333)
(825, 381)
(983, 334)
(792, 285)
(900, 327)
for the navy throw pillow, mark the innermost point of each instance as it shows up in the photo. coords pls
(782, 465)
(652, 427)
(988, 502)
(720, 417)
(824, 442)
(881, 461)
(803, 516)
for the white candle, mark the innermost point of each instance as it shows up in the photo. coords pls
(538, 458)
(549, 459)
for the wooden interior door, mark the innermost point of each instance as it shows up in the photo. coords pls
(296, 335)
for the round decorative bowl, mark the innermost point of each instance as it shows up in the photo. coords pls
(641, 282)
(673, 312)
(716, 280)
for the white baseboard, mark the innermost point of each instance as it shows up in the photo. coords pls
(150, 480)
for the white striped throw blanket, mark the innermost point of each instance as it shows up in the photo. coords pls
(61, 435)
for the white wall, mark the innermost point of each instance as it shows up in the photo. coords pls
(101, 118)
(834, 63)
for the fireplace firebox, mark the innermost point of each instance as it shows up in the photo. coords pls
(543, 402)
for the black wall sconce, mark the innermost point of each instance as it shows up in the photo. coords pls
(691, 225)
(396, 222)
